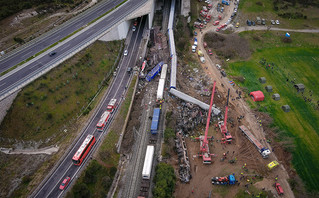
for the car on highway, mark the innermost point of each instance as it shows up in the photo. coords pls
(133, 28)
(65, 183)
(210, 52)
(125, 52)
(277, 22)
(135, 23)
(52, 53)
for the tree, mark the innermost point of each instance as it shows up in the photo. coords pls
(165, 180)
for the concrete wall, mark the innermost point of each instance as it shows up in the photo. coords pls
(118, 32)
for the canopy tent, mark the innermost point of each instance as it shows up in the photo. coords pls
(268, 88)
(257, 96)
(276, 96)
(286, 108)
(300, 87)
(262, 80)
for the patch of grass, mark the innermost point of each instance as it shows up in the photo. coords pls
(308, 17)
(128, 97)
(298, 64)
(50, 103)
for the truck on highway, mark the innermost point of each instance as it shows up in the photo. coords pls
(262, 150)
(155, 120)
(148, 162)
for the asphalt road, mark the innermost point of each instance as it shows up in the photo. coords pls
(50, 187)
(22, 74)
(75, 24)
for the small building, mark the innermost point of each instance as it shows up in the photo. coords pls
(286, 108)
(300, 87)
(257, 96)
(262, 80)
(276, 96)
(268, 88)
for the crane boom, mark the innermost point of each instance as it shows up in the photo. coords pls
(205, 141)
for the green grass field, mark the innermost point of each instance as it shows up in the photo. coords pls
(48, 105)
(297, 61)
(265, 9)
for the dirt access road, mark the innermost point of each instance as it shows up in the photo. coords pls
(237, 107)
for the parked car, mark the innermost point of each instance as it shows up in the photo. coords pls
(65, 183)
(210, 52)
(253, 23)
(248, 22)
(237, 25)
(263, 21)
(272, 22)
(279, 189)
(205, 44)
(125, 52)
(216, 23)
(277, 22)
(195, 33)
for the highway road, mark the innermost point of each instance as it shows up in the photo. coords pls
(50, 187)
(57, 34)
(39, 64)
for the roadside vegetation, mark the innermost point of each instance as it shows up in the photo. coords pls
(291, 14)
(47, 112)
(164, 180)
(11, 7)
(97, 179)
(283, 65)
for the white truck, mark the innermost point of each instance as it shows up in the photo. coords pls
(202, 59)
(262, 150)
(194, 48)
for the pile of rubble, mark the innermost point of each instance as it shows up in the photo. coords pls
(189, 116)
(184, 166)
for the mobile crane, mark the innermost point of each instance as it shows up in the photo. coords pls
(223, 125)
(204, 148)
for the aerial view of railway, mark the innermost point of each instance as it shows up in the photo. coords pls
(159, 98)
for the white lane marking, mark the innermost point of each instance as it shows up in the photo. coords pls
(59, 180)
(99, 12)
(27, 54)
(2, 84)
(65, 47)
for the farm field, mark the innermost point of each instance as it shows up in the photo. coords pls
(283, 65)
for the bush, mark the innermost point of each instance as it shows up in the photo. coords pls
(18, 40)
(80, 190)
(165, 180)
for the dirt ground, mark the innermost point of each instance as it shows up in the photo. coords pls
(240, 150)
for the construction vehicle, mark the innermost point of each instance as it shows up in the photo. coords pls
(204, 148)
(223, 125)
(262, 150)
(227, 180)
